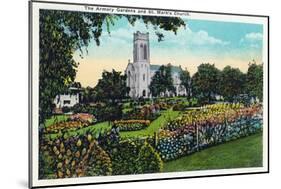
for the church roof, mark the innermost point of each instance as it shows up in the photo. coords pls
(175, 69)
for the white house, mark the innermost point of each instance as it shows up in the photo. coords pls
(140, 71)
(69, 99)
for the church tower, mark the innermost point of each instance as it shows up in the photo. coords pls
(141, 63)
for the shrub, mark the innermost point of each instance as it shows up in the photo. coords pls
(102, 112)
(124, 157)
(66, 109)
(149, 160)
(179, 107)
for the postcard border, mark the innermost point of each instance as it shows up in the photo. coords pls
(30, 96)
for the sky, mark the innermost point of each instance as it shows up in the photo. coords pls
(201, 41)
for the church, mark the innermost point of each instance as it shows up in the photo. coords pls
(140, 71)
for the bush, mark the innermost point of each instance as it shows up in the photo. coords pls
(149, 160)
(101, 111)
(66, 109)
(131, 156)
(124, 157)
(180, 107)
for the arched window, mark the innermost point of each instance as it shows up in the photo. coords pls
(145, 52)
(129, 78)
(141, 51)
(143, 77)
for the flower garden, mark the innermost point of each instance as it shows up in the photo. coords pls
(210, 125)
(92, 153)
(131, 125)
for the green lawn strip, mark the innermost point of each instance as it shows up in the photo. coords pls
(96, 128)
(59, 118)
(153, 127)
(244, 152)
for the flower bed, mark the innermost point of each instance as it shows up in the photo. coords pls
(75, 157)
(131, 125)
(84, 117)
(65, 125)
(208, 126)
(74, 122)
(145, 112)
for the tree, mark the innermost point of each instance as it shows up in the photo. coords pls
(232, 83)
(205, 82)
(186, 81)
(64, 32)
(162, 81)
(88, 95)
(254, 81)
(111, 88)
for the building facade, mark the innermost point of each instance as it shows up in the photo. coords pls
(69, 99)
(140, 71)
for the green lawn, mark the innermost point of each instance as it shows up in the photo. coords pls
(59, 118)
(154, 126)
(244, 152)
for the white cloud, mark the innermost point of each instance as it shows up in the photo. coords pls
(253, 40)
(253, 36)
(203, 38)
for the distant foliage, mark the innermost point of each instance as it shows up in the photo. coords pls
(186, 81)
(162, 81)
(232, 83)
(254, 81)
(205, 82)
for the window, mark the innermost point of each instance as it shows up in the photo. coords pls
(143, 93)
(66, 102)
(143, 77)
(141, 51)
(145, 52)
(129, 78)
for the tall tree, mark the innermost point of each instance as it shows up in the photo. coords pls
(205, 82)
(88, 95)
(186, 81)
(254, 80)
(162, 81)
(111, 88)
(232, 83)
(64, 32)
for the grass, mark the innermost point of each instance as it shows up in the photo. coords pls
(52, 120)
(241, 153)
(100, 127)
(154, 126)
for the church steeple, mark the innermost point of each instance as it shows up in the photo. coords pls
(141, 47)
